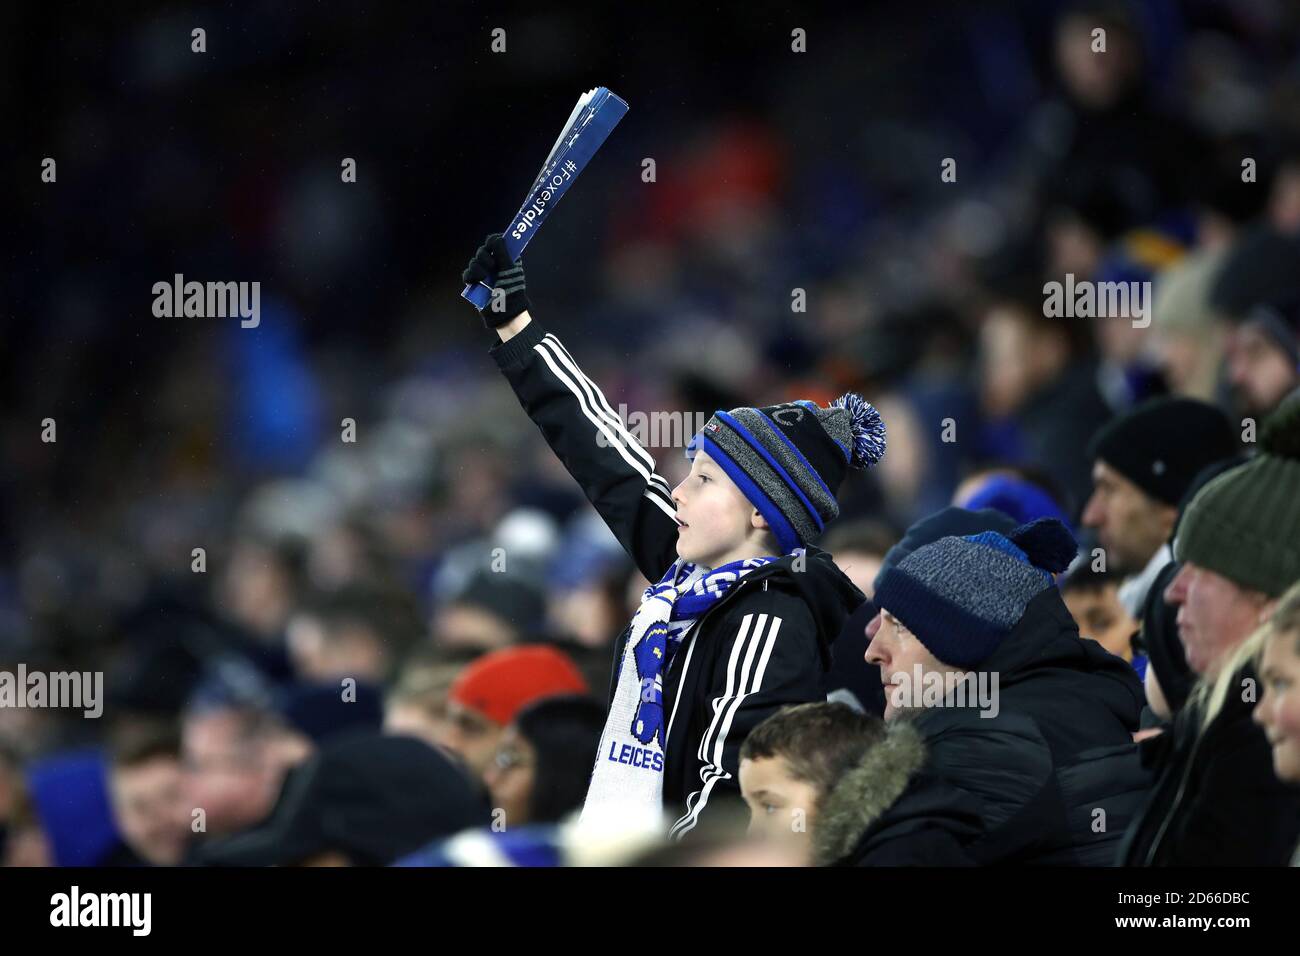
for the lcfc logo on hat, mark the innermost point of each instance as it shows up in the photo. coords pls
(781, 414)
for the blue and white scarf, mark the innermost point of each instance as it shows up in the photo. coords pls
(627, 780)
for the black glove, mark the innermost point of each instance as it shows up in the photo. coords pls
(491, 264)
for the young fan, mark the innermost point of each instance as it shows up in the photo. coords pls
(742, 611)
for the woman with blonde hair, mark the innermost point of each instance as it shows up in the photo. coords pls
(1278, 710)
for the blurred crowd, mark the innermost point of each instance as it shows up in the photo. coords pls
(303, 637)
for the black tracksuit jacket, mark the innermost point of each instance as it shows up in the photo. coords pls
(763, 646)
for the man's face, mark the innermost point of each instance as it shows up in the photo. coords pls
(715, 518)
(149, 806)
(1102, 618)
(1278, 710)
(781, 807)
(230, 778)
(472, 736)
(1214, 615)
(305, 641)
(1260, 373)
(1131, 525)
(1095, 81)
(897, 652)
(1006, 373)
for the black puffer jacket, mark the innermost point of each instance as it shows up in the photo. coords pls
(1035, 775)
(891, 809)
(1216, 801)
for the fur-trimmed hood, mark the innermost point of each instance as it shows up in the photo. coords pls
(866, 791)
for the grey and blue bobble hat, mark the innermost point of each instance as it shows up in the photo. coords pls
(789, 460)
(962, 596)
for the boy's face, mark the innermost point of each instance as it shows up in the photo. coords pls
(1103, 618)
(780, 806)
(149, 807)
(716, 521)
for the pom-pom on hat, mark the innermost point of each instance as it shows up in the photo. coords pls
(962, 596)
(789, 460)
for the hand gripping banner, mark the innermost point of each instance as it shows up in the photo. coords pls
(593, 118)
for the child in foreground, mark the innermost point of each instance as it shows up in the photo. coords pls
(743, 609)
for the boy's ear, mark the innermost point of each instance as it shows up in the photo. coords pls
(757, 520)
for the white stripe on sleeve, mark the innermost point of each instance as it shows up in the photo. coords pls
(653, 492)
(765, 631)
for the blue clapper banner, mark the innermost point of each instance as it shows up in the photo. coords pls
(593, 118)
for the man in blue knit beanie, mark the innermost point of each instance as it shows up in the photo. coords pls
(1033, 765)
(960, 597)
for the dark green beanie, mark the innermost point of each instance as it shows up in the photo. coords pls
(1245, 524)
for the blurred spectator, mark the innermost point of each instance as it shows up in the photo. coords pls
(1106, 129)
(1264, 359)
(541, 768)
(147, 788)
(1187, 335)
(1021, 492)
(1092, 598)
(25, 841)
(590, 609)
(488, 694)
(358, 631)
(1256, 291)
(311, 714)
(262, 584)
(1039, 391)
(362, 800)
(236, 755)
(494, 610)
(416, 705)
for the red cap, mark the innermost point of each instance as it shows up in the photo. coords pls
(500, 684)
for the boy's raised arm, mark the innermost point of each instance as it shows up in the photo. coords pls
(592, 442)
